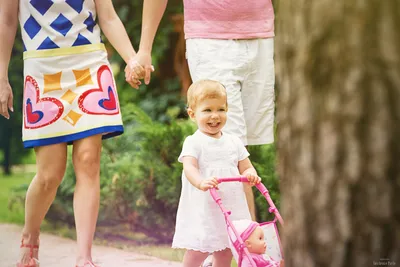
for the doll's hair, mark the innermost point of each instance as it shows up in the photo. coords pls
(205, 89)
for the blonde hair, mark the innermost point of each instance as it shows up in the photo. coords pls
(204, 89)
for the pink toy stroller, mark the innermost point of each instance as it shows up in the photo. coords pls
(270, 229)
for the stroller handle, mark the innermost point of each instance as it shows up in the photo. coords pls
(241, 179)
(259, 186)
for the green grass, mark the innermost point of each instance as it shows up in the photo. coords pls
(7, 184)
(162, 252)
(29, 158)
(20, 179)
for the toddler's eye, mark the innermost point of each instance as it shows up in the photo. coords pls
(207, 110)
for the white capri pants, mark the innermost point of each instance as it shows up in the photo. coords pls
(246, 69)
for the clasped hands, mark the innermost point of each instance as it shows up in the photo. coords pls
(137, 68)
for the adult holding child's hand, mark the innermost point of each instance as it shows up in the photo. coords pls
(139, 67)
(152, 13)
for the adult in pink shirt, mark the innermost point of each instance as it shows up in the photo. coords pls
(230, 41)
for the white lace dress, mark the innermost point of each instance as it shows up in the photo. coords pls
(200, 224)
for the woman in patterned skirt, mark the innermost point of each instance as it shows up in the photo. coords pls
(69, 98)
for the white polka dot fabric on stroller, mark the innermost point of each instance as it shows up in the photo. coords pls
(271, 235)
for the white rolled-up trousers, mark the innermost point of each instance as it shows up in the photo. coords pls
(246, 69)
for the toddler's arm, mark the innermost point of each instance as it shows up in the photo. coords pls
(191, 169)
(247, 169)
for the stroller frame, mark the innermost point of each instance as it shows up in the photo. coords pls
(272, 209)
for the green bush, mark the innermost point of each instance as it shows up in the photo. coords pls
(145, 176)
(263, 159)
(141, 177)
(140, 174)
(164, 89)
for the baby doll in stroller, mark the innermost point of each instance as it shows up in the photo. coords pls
(253, 237)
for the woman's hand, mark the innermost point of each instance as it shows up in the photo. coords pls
(6, 98)
(134, 72)
(208, 183)
(139, 67)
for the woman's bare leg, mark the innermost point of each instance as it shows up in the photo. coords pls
(86, 160)
(50, 163)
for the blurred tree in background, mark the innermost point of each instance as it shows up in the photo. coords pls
(338, 136)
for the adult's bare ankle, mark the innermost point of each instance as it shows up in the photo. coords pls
(30, 238)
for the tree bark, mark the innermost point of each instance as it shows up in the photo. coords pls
(338, 66)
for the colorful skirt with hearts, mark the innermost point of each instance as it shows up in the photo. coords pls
(69, 94)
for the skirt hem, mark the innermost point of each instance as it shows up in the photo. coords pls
(107, 131)
(210, 250)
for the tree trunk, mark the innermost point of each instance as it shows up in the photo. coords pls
(338, 66)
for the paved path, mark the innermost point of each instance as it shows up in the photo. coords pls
(59, 252)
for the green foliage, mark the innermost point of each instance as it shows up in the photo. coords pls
(164, 90)
(263, 159)
(10, 135)
(12, 197)
(145, 176)
(141, 177)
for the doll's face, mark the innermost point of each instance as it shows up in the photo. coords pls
(255, 243)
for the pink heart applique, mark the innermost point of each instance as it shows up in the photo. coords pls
(102, 100)
(109, 103)
(39, 112)
(32, 116)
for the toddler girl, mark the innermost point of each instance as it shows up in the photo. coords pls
(207, 154)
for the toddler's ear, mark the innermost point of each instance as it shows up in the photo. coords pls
(248, 243)
(190, 113)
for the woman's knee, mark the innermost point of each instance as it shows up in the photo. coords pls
(50, 178)
(51, 163)
(87, 162)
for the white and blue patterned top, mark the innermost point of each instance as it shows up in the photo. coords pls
(50, 24)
